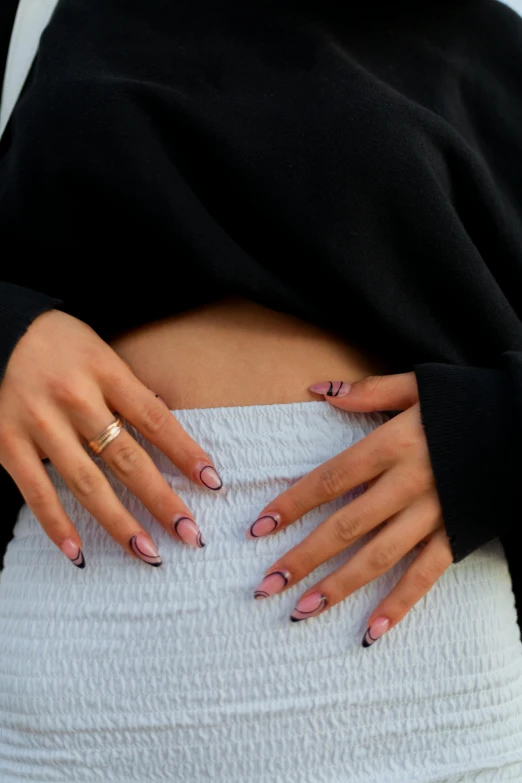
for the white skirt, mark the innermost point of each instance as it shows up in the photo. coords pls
(121, 672)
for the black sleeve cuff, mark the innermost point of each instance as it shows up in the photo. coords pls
(18, 309)
(472, 428)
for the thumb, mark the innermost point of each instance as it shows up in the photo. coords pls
(373, 393)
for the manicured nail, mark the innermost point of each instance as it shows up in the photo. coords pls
(331, 388)
(73, 552)
(264, 525)
(145, 549)
(374, 631)
(272, 583)
(309, 606)
(188, 531)
(209, 476)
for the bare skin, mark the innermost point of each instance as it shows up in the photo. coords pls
(63, 383)
(235, 352)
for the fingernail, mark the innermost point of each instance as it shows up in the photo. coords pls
(264, 525)
(142, 546)
(73, 552)
(209, 476)
(331, 388)
(188, 531)
(309, 606)
(272, 584)
(375, 631)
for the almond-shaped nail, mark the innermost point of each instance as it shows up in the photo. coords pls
(272, 584)
(145, 549)
(331, 388)
(309, 606)
(264, 525)
(188, 531)
(375, 630)
(73, 552)
(209, 476)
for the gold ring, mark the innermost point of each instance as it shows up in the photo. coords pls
(107, 436)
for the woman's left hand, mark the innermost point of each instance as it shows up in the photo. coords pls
(394, 461)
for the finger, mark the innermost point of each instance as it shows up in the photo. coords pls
(373, 393)
(131, 464)
(396, 539)
(92, 490)
(342, 529)
(427, 568)
(152, 418)
(362, 462)
(27, 471)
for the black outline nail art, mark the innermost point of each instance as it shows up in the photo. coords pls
(365, 642)
(141, 554)
(368, 639)
(80, 558)
(276, 522)
(211, 467)
(330, 393)
(285, 575)
(199, 540)
(323, 601)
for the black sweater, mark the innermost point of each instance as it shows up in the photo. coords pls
(361, 169)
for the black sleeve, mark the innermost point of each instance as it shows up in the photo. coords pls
(18, 309)
(472, 418)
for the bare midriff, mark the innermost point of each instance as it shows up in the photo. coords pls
(235, 352)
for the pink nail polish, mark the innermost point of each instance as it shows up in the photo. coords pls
(188, 531)
(331, 388)
(272, 584)
(309, 606)
(142, 546)
(73, 552)
(264, 525)
(209, 476)
(374, 631)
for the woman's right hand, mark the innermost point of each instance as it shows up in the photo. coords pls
(60, 390)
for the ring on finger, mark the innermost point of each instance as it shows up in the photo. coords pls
(101, 441)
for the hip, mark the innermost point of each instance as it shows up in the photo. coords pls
(176, 672)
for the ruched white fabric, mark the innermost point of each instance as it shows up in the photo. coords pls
(121, 672)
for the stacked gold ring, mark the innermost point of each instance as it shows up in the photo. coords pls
(107, 436)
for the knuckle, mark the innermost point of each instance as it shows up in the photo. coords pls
(347, 528)
(424, 480)
(41, 420)
(153, 419)
(84, 481)
(381, 451)
(382, 559)
(94, 354)
(37, 496)
(423, 580)
(66, 392)
(116, 374)
(370, 384)
(332, 482)
(126, 459)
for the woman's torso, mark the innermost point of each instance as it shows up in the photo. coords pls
(235, 352)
